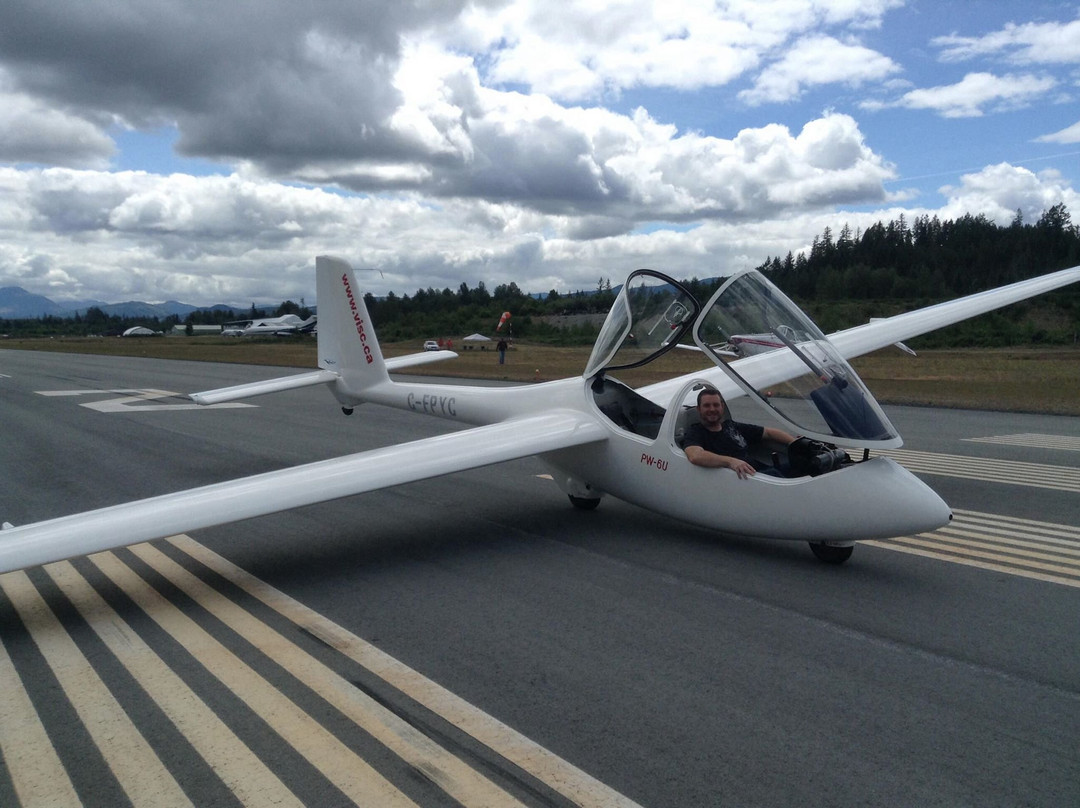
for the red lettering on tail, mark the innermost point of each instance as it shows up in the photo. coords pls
(357, 319)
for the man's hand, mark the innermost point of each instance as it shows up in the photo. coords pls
(741, 467)
(702, 457)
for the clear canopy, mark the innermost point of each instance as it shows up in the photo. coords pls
(788, 365)
(650, 315)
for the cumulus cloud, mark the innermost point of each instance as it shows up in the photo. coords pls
(583, 50)
(32, 132)
(379, 96)
(132, 235)
(120, 235)
(818, 60)
(975, 94)
(1070, 134)
(456, 140)
(291, 79)
(1029, 43)
(998, 191)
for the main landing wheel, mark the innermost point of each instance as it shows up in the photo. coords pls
(831, 553)
(583, 504)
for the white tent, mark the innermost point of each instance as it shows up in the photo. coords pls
(473, 340)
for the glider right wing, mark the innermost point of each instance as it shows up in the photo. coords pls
(322, 481)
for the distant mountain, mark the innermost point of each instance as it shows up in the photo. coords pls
(82, 305)
(16, 303)
(136, 308)
(181, 310)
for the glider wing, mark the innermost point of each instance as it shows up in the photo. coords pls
(322, 481)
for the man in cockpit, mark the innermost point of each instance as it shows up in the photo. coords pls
(719, 442)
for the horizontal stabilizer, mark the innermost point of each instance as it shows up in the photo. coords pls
(422, 358)
(251, 389)
(310, 379)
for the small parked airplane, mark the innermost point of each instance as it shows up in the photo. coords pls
(597, 435)
(285, 325)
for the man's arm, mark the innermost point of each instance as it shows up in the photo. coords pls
(778, 438)
(710, 460)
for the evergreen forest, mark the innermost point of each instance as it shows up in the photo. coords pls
(897, 266)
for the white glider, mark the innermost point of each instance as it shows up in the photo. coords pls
(597, 435)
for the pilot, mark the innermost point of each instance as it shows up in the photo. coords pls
(719, 442)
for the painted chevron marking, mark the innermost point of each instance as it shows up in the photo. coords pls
(1011, 472)
(1043, 551)
(1033, 440)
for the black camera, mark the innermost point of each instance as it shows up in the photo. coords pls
(812, 457)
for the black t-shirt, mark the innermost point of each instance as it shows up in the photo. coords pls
(732, 440)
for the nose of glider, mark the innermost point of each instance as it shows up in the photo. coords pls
(911, 505)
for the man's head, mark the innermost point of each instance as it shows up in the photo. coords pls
(711, 409)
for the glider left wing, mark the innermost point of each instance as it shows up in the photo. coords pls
(888, 330)
(321, 481)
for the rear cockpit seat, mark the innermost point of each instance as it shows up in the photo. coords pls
(687, 418)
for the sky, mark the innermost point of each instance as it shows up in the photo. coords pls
(207, 150)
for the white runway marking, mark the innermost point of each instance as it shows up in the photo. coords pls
(345, 769)
(1041, 550)
(239, 769)
(129, 401)
(1033, 441)
(457, 779)
(1011, 472)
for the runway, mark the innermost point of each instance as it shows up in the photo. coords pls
(472, 640)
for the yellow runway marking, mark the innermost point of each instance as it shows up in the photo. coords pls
(1041, 550)
(462, 783)
(36, 772)
(575, 785)
(123, 736)
(138, 770)
(347, 770)
(236, 765)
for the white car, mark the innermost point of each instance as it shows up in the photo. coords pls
(432, 345)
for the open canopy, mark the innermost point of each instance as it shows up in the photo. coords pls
(814, 391)
(804, 382)
(650, 315)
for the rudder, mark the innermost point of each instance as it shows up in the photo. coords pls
(346, 337)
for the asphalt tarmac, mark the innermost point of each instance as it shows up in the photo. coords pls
(474, 640)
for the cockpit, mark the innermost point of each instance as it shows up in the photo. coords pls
(757, 337)
(650, 316)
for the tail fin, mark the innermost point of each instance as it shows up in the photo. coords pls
(347, 342)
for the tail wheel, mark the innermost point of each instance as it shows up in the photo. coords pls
(832, 553)
(583, 504)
